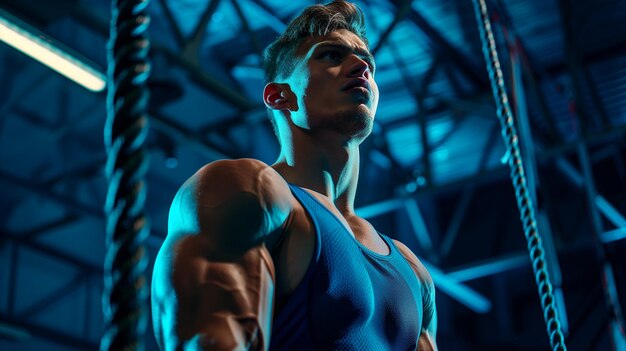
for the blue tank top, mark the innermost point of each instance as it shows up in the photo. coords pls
(350, 298)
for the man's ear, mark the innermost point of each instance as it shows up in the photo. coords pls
(278, 96)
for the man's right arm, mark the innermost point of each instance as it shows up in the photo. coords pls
(213, 282)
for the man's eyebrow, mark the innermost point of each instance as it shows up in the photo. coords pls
(338, 45)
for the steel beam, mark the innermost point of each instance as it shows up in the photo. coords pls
(277, 24)
(52, 252)
(96, 22)
(246, 26)
(574, 67)
(33, 233)
(205, 80)
(490, 267)
(454, 224)
(459, 212)
(51, 298)
(169, 16)
(11, 99)
(182, 136)
(595, 96)
(13, 333)
(15, 252)
(154, 240)
(460, 292)
(482, 269)
(71, 174)
(419, 227)
(401, 12)
(610, 212)
(616, 320)
(613, 51)
(598, 201)
(380, 208)
(32, 329)
(418, 94)
(444, 48)
(389, 205)
(191, 50)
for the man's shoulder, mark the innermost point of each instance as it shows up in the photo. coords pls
(418, 267)
(231, 200)
(240, 164)
(219, 180)
(230, 206)
(232, 170)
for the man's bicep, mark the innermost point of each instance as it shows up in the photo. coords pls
(205, 304)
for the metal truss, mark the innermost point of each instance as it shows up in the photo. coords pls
(452, 281)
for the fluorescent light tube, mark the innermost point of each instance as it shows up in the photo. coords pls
(37, 45)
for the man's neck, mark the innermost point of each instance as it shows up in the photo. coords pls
(320, 163)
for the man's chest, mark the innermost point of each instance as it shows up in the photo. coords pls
(350, 293)
(295, 252)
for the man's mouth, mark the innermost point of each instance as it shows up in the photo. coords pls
(358, 84)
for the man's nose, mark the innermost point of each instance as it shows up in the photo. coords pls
(359, 68)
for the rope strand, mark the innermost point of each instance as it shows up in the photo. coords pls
(125, 285)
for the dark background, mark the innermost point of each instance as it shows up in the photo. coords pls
(431, 172)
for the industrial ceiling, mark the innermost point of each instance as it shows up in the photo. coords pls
(432, 172)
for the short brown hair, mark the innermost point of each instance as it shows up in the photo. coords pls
(279, 57)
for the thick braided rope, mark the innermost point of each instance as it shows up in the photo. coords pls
(524, 202)
(125, 286)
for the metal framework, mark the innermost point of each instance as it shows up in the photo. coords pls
(550, 149)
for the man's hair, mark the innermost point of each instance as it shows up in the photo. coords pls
(279, 60)
(280, 56)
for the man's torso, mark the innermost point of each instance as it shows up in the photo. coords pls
(348, 292)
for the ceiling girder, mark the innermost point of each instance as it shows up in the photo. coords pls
(154, 240)
(442, 47)
(96, 22)
(50, 334)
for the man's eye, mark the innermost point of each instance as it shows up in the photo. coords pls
(331, 55)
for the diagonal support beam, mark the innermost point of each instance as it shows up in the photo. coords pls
(55, 224)
(402, 11)
(96, 22)
(444, 48)
(246, 26)
(53, 297)
(191, 49)
(419, 227)
(28, 329)
(506, 263)
(458, 291)
(601, 203)
(153, 241)
(169, 16)
(182, 136)
(52, 252)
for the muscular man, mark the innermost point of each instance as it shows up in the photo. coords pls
(273, 257)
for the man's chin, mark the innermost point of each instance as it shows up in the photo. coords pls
(356, 123)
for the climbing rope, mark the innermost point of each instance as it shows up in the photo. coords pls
(524, 202)
(125, 285)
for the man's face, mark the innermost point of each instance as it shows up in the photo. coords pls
(334, 84)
